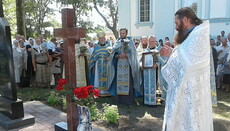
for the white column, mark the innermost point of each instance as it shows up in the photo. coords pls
(228, 9)
(180, 3)
(207, 9)
(199, 9)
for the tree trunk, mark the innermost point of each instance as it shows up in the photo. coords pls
(112, 27)
(115, 32)
(1, 9)
(20, 13)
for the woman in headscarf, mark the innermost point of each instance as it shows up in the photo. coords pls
(18, 61)
(41, 61)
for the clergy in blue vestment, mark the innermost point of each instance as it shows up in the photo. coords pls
(123, 34)
(149, 72)
(123, 80)
(98, 65)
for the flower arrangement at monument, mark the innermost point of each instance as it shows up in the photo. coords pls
(83, 96)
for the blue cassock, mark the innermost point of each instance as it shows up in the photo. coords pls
(124, 73)
(98, 76)
(150, 83)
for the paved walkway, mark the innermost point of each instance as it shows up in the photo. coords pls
(45, 117)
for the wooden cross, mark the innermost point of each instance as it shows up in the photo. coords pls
(69, 34)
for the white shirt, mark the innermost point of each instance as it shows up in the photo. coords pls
(223, 49)
(228, 43)
(51, 46)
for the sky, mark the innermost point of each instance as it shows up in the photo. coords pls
(93, 16)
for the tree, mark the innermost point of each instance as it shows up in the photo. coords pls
(111, 20)
(1, 9)
(81, 7)
(20, 13)
(9, 7)
(38, 17)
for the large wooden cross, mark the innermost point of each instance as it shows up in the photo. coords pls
(69, 34)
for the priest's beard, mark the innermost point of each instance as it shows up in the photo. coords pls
(144, 45)
(181, 35)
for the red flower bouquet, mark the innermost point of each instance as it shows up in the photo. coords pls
(83, 96)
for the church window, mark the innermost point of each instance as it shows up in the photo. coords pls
(144, 11)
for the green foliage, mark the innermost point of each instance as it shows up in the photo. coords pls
(106, 112)
(10, 14)
(95, 113)
(81, 7)
(38, 16)
(64, 105)
(54, 100)
(110, 113)
(111, 18)
(30, 94)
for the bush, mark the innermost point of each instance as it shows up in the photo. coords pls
(94, 112)
(110, 113)
(54, 100)
(64, 105)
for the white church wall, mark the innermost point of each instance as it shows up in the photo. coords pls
(218, 9)
(162, 16)
(124, 12)
(164, 24)
(216, 27)
(142, 28)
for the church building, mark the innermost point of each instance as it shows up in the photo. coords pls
(148, 17)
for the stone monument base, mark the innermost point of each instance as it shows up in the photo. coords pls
(61, 126)
(8, 123)
(12, 109)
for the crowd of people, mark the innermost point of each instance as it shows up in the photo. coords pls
(221, 57)
(40, 63)
(36, 62)
(184, 71)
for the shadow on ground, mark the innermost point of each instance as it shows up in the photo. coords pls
(140, 117)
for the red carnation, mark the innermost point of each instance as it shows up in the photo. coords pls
(96, 92)
(62, 82)
(81, 92)
(89, 87)
(59, 87)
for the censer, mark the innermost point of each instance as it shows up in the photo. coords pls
(158, 96)
(158, 91)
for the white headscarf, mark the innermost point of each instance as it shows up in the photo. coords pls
(31, 39)
(38, 47)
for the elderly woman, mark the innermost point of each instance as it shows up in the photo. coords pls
(41, 60)
(18, 61)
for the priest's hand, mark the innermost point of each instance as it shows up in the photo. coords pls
(155, 66)
(34, 69)
(123, 55)
(142, 68)
(107, 58)
(166, 51)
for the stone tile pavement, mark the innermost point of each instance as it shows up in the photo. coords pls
(45, 117)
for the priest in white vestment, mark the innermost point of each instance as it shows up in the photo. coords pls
(187, 72)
